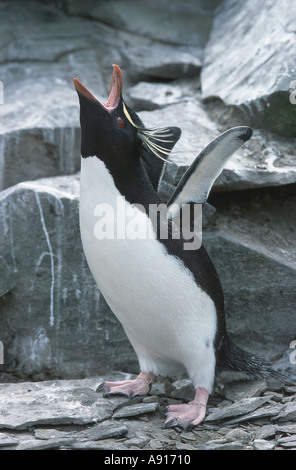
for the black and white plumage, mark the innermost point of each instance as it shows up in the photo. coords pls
(169, 300)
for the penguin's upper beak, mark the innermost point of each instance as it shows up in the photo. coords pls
(115, 90)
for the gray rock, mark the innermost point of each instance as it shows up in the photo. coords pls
(263, 412)
(106, 430)
(44, 434)
(94, 445)
(139, 442)
(7, 441)
(184, 446)
(236, 70)
(54, 321)
(274, 396)
(238, 391)
(288, 412)
(288, 442)
(163, 61)
(241, 407)
(221, 445)
(149, 96)
(268, 430)
(39, 133)
(7, 278)
(238, 435)
(183, 389)
(262, 444)
(135, 410)
(151, 399)
(154, 19)
(188, 436)
(261, 283)
(50, 403)
(287, 428)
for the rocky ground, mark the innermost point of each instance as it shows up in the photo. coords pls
(70, 414)
(203, 66)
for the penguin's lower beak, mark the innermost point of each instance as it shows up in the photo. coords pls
(115, 90)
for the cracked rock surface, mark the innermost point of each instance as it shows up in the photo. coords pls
(70, 414)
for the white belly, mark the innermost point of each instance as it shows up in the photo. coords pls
(169, 320)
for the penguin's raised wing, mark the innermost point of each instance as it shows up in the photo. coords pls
(198, 180)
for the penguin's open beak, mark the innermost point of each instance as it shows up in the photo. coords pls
(115, 90)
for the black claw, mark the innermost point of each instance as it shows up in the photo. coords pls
(106, 391)
(186, 426)
(169, 424)
(164, 411)
(100, 388)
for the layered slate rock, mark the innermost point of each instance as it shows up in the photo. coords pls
(69, 414)
(46, 403)
(39, 130)
(259, 297)
(53, 320)
(253, 66)
(158, 20)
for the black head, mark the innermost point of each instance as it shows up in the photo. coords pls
(115, 133)
(105, 130)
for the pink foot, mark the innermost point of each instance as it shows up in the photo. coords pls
(190, 414)
(131, 388)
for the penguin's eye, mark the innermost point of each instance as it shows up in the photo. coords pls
(120, 122)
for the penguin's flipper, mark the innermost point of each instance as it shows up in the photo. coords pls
(164, 140)
(198, 180)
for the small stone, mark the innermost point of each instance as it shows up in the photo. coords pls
(269, 411)
(151, 399)
(183, 389)
(135, 410)
(290, 389)
(184, 446)
(287, 428)
(262, 444)
(269, 430)
(237, 435)
(6, 440)
(40, 433)
(139, 442)
(107, 430)
(37, 444)
(288, 412)
(288, 442)
(278, 397)
(188, 436)
(158, 388)
(222, 445)
(155, 444)
(241, 407)
(238, 391)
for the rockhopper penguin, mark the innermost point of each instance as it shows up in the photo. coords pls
(169, 299)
